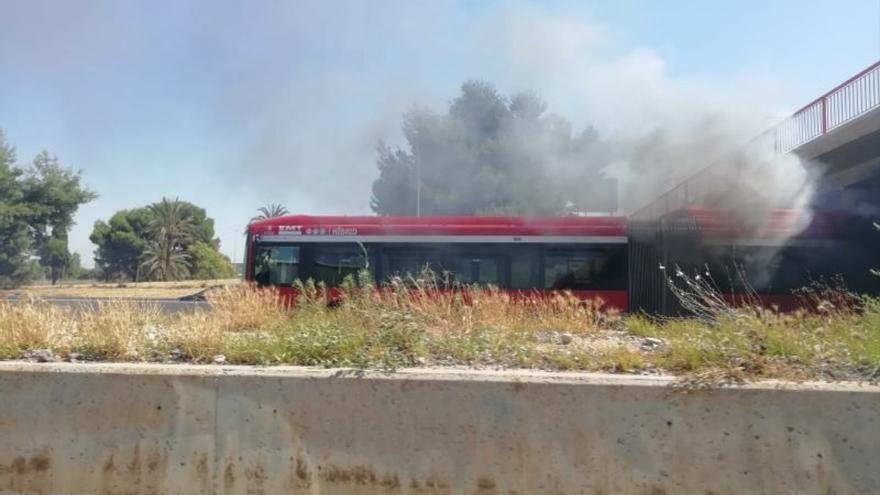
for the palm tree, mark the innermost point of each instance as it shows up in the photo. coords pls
(271, 211)
(161, 263)
(169, 228)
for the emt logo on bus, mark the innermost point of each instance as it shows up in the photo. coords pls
(299, 230)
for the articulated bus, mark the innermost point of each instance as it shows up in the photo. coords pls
(627, 265)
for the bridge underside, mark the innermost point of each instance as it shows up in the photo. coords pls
(848, 162)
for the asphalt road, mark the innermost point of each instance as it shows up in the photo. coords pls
(166, 305)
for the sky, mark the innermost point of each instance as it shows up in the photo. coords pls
(237, 104)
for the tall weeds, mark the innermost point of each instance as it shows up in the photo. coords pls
(833, 333)
(421, 321)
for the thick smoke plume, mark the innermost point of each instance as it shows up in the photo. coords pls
(610, 113)
(660, 130)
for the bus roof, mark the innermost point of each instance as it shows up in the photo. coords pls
(713, 223)
(440, 225)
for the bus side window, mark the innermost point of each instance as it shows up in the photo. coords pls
(475, 268)
(276, 265)
(565, 269)
(585, 268)
(410, 263)
(523, 267)
(333, 263)
(402, 263)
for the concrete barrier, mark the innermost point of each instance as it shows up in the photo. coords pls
(144, 429)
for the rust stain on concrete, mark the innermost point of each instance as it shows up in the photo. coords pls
(362, 475)
(229, 476)
(302, 471)
(109, 465)
(485, 483)
(22, 465)
(135, 465)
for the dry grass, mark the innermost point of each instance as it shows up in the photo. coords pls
(127, 290)
(420, 326)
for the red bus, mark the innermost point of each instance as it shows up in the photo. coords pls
(584, 255)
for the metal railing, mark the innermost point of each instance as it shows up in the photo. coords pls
(801, 128)
(848, 101)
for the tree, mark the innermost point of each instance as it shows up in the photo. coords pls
(491, 154)
(270, 211)
(121, 243)
(172, 228)
(124, 240)
(265, 212)
(55, 257)
(74, 268)
(167, 240)
(15, 237)
(394, 192)
(161, 262)
(37, 206)
(208, 263)
(201, 226)
(53, 195)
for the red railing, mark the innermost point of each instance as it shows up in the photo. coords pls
(848, 101)
(843, 104)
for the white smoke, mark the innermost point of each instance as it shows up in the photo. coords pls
(661, 129)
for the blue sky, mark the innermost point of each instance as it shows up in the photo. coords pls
(233, 105)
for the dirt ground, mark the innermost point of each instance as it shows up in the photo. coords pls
(128, 290)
